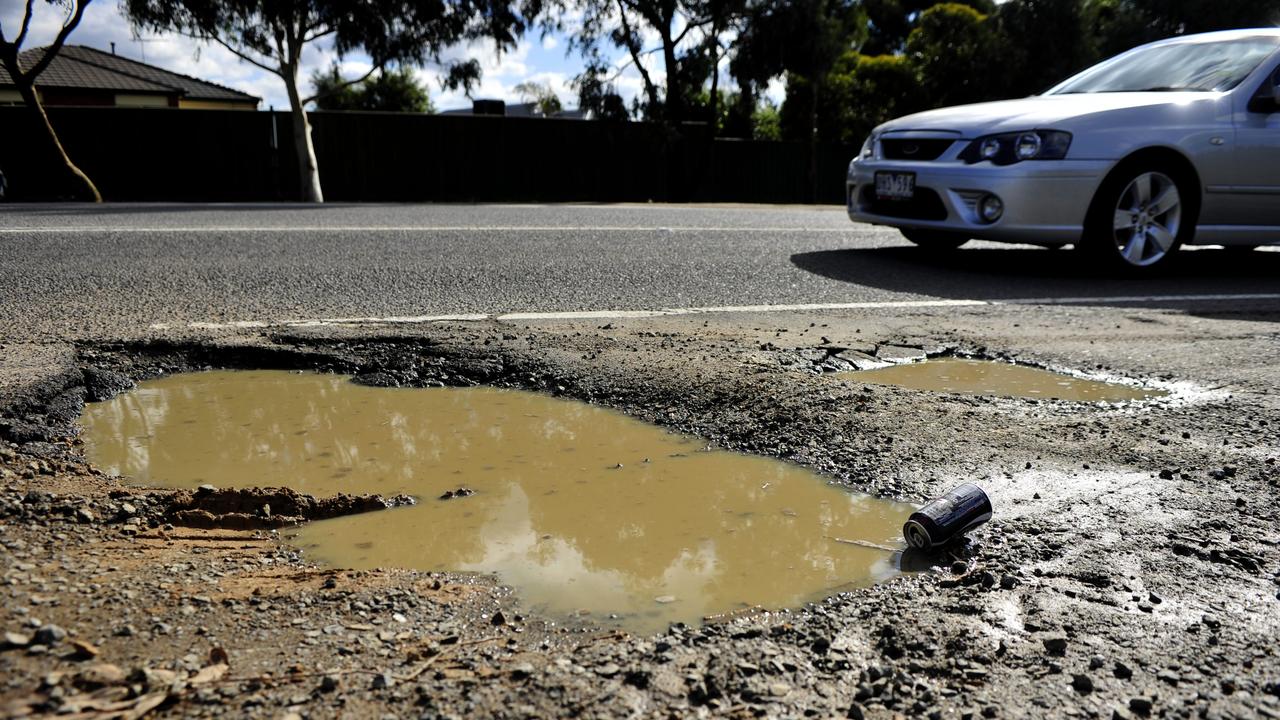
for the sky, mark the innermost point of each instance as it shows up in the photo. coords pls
(536, 58)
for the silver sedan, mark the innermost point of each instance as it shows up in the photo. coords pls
(1172, 143)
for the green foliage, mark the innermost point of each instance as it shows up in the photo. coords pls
(597, 96)
(798, 37)
(390, 91)
(1181, 17)
(765, 124)
(543, 97)
(794, 119)
(688, 36)
(955, 51)
(1041, 42)
(865, 91)
(334, 92)
(891, 21)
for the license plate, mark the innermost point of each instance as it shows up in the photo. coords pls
(895, 185)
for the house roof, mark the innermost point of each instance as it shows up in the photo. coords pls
(77, 66)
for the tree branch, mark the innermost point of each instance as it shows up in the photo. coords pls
(26, 24)
(650, 89)
(344, 84)
(317, 36)
(53, 49)
(236, 51)
(278, 38)
(689, 27)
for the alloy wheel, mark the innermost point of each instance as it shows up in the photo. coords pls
(1148, 216)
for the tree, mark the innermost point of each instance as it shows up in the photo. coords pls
(689, 33)
(1042, 43)
(889, 22)
(333, 92)
(24, 78)
(542, 95)
(804, 39)
(953, 48)
(1116, 26)
(597, 96)
(271, 35)
(1184, 17)
(389, 91)
(764, 123)
(865, 91)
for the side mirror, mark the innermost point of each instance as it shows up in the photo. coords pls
(1267, 99)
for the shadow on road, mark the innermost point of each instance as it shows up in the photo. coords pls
(1056, 275)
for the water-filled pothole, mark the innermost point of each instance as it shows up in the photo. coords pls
(987, 377)
(582, 509)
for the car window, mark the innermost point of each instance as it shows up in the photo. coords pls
(1188, 67)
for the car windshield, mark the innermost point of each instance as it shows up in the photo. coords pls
(1179, 67)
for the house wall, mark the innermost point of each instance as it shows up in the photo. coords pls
(53, 97)
(187, 104)
(10, 97)
(128, 100)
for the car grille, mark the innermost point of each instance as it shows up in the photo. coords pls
(926, 205)
(904, 149)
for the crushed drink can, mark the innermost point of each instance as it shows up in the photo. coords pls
(944, 519)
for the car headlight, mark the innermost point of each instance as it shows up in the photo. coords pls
(868, 148)
(1010, 148)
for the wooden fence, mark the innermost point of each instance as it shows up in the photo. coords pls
(156, 154)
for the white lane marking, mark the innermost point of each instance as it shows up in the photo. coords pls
(664, 312)
(425, 228)
(592, 314)
(1138, 299)
(394, 320)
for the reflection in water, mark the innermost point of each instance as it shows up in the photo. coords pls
(580, 508)
(985, 377)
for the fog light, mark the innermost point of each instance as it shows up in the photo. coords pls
(991, 208)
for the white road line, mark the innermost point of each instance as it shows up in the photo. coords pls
(726, 309)
(422, 228)
(1139, 299)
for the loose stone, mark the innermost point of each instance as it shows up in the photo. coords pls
(50, 635)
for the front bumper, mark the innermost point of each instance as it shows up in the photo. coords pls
(1045, 202)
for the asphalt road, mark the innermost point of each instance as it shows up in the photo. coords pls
(75, 271)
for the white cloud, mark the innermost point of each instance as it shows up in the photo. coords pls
(549, 42)
(776, 91)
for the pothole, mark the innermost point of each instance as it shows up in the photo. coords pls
(584, 510)
(988, 377)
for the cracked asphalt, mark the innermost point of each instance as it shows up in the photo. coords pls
(1132, 568)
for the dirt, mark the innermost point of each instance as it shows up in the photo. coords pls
(1132, 568)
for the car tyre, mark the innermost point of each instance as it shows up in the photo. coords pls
(934, 240)
(1141, 215)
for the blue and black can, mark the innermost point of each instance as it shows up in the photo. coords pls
(946, 518)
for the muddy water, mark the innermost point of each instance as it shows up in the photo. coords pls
(582, 509)
(985, 377)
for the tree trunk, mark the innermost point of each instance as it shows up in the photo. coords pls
(674, 99)
(715, 85)
(29, 96)
(308, 169)
(814, 88)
